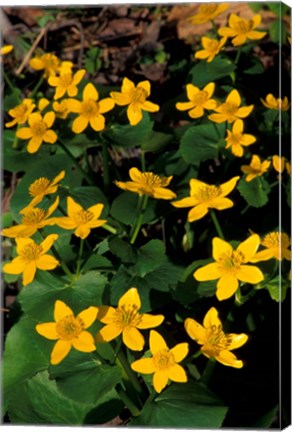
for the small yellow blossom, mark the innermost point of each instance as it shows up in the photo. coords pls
(65, 66)
(61, 109)
(135, 97)
(288, 167)
(236, 139)
(79, 219)
(42, 187)
(38, 131)
(6, 49)
(147, 183)
(212, 47)
(216, 344)
(278, 163)
(125, 320)
(241, 29)
(90, 110)
(69, 331)
(21, 112)
(42, 104)
(49, 63)
(255, 168)
(32, 220)
(231, 110)
(276, 104)
(32, 256)
(204, 196)
(277, 246)
(66, 82)
(208, 12)
(199, 100)
(163, 363)
(230, 266)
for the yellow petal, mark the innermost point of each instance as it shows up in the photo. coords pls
(36, 63)
(192, 91)
(88, 316)
(229, 359)
(185, 202)
(218, 118)
(127, 85)
(21, 243)
(78, 76)
(34, 118)
(16, 266)
(65, 222)
(106, 314)
(150, 321)
(133, 339)
(72, 91)
(24, 133)
(135, 175)
(47, 262)
(262, 256)
(82, 231)
(61, 310)
(73, 207)
(180, 351)
(108, 333)
(256, 35)
(50, 137)
(121, 99)
(144, 365)
(210, 271)
(226, 286)
(73, 105)
(239, 40)
(134, 114)
(130, 298)
(79, 124)
(146, 86)
(48, 330)
(195, 331)
(197, 212)
(228, 186)
(97, 123)
(221, 203)
(226, 32)
(59, 177)
(249, 247)
(244, 111)
(184, 106)
(156, 342)
(19, 231)
(90, 92)
(234, 98)
(177, 374)
(236, 340)
(220, 247)
(209, 88)
(211, 318)
(96, 210)
(163, 193)
(160, 380)
(47, 243)
(29, 273)
(196, 186)
(196, 112)
(49, 118)
(150, 106)
(84, 342)
(106, 105)
(34, 144)
(60, 351)
(250, 274)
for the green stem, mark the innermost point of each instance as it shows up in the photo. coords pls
(237, 55)
(105, 160)
(79, 257)
(276, 183)
(214, 28)
(217, 224)
(143, 161)
(109, 228)
(84, 174)
(63, 265)
(245, 209)
(15, 141)
(38, 84)
(8, 81)
(140, 217)
(127, 401)
(208, 372)
(122, 361)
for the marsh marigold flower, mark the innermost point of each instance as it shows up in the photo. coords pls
(147, 183)
(33, 219)
(204, 196)
(230, 266)
(31, 256)
(199, 100)
(278, 163)
(42, 187)
(216, 344)
(69, 331)
(6, 49)
(49, 63)
(255, 168)
(236, 139)
(276, 246)
(276, 104)
(212, 47)
(208, 12)
(135, 97)
(66, 82)
(79, 219)
(90, 110)
(61, 109)
(241, 29)
(126, 320)
(38, 131)
(21, 112)
(163, 363)
(230, 110)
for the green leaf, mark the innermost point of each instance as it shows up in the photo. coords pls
(150, 257)
(278, 8)
(288, 192)
(277, 31)
(88, 196)
(189, 405)
(38, 401)
(203, 73)
(130, 136)
(12, 100)
(256, 6)
(277, 288)
(124, 209)
(201, 142)
(266, 421)
(123, 250)
(255, 68)
(96, 261)
(254, 192)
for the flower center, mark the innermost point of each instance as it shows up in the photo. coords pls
(151, 179)
(65, 80)
(39, 128)
(209, 192)
(69, 327)
(234, 138)
(163, 360)
(39, 186)
(90, 108)
(83, 216)
(31, 252)
(20, 110)
(50, 61)
(200, 98)
(213, 45)
(244, 26)
(33, 216)
(139, 95)
(229, 108)
(127, 315)
(208, 9)
(217, 340)
(231, 262)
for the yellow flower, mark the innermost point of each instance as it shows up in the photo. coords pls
(278, 163)
(147, 183)
(43, 186)
(49, 63)
(277, 246)
(6, 49)
(204, 196)
(236, 139)
(61, 109)
(32, 220)
(230, 110)
(135, 97)
(241, 29)
(43, 103)
(208, 12)
(216, 344)
(255, 168)
(66, 83)
(199, 100)
(79, 219)
(288, 167)
(163, 363)
(212, 47)
(230, 266)
(21, 112)
(276, 104)
(69, 331)
(90, 111)
(38, 131)
(125, 320)
(31, 257)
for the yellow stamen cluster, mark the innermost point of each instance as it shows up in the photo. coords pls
(69, 327)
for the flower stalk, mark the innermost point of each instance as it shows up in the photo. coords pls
(141, 212)
(217, 224)
(84, 174)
